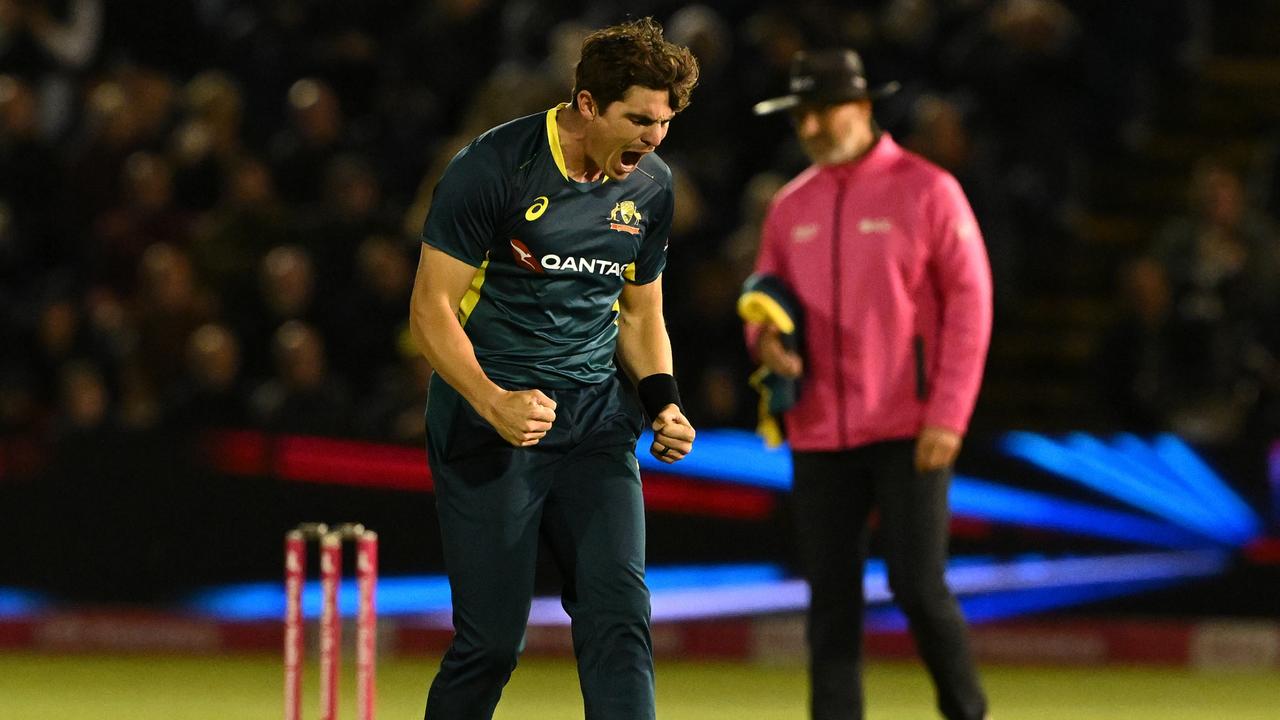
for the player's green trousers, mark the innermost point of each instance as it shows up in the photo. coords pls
(580, 489)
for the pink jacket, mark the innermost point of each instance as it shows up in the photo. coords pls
(888, 263)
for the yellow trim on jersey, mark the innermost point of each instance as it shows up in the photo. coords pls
(472, 296)
(553, 139)
(629, 274)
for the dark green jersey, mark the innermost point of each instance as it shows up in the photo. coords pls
(551, 254)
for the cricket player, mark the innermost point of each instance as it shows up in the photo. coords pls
(541, 262)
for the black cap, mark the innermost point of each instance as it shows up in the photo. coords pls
(825, 77)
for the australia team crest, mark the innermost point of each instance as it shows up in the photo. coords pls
(625, 217)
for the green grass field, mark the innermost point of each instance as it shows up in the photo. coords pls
(40, 687)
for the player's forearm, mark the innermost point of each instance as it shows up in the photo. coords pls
(644, 346)
(450, 353)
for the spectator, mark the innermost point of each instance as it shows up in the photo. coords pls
(258, 125)
(20, 409)
(939, 132)
(705, 153)
(369, 320)
(146, 215)
(1138, 356)
(441, 32)
(1035, 75)
(1265, 180)
(302, 397)
(351, 210)
(231, 241)
(316, 134)
(138, 401)
(1222, 260)
(168, 307)
(60, 334)
(210, 393)
(208, 143)
(83, 399)
(286, 291)
(131, 110)
(49, 44)
(394, 408)
(33, 226)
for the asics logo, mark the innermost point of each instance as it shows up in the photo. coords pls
(538, 207)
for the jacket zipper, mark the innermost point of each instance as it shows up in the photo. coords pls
(841, 409)
(922, 380)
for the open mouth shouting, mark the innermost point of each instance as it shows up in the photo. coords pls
(629, 159)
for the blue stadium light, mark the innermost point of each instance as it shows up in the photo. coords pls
(694, 603)
(692, 592)
(1273, 480)
(739, 457)
(726, 455)
(17, 603)
(1079, 460)
(1034, 572)
(986, 500)
(710, 576)
(1033, 585)
(1162, 497)
(980, 609)
(1142, 458)
(1071, 581)
(1197, 474)
(429, 594)
(1172, 467)
(265, 601)
(1164, 478)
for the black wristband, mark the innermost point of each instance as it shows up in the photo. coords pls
(658, 391)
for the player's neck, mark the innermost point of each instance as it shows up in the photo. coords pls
(573, 146)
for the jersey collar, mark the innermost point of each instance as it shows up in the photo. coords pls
(553, 139)
(557, 153)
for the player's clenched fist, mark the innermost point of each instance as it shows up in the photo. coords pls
(522, 417)
(672, 435)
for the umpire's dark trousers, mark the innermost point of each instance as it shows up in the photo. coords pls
(833, 496)
(580, 488)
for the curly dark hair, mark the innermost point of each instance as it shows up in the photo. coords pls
(634, 53)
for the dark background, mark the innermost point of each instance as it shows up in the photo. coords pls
(209, 214)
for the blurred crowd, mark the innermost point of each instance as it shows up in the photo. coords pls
(1196, 345)
(209, 209)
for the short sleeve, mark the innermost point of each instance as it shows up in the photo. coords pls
(467, 205)
(653, 249)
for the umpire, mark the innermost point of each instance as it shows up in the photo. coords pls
(885, 259)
